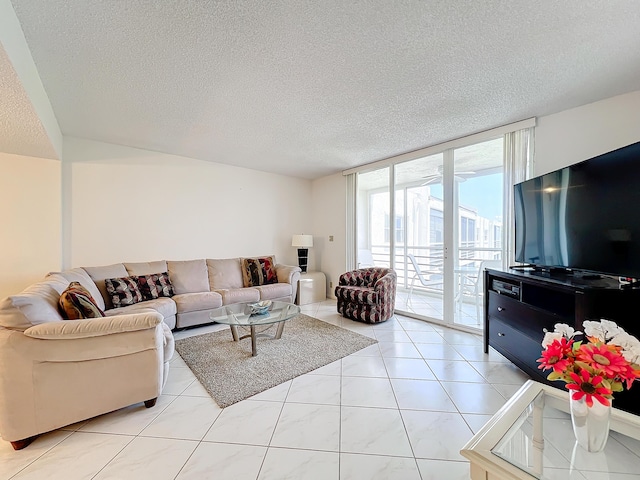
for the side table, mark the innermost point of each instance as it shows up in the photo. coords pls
(312, 288)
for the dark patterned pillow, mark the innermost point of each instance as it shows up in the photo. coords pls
(123, 291)
(258, 271)
(155, 285)
(77, 303)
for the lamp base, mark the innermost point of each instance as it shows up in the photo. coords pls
(303, 255)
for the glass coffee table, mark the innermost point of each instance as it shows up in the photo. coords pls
(531, 437)
(240, 315)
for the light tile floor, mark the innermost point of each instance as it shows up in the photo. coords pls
(466, 312)
(400, 409)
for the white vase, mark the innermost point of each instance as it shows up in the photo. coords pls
(590, 424)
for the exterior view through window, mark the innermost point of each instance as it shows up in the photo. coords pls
(437, 221)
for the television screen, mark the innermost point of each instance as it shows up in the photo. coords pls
(583, 217)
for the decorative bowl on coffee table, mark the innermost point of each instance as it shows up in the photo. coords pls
(260, 308)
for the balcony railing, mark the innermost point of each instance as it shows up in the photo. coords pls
(430, 259)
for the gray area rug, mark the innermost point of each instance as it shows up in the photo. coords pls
(229, 373)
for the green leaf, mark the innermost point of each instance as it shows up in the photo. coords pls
(584, 366)
(554, 376)
(616, 387)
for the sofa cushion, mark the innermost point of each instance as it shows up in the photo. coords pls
(275, 290)
(145, 268)
(76, 303)
(100, 274)
(192, 302)
(237, 295)
(123, 291)
(36, 304)
(78, 275)
(224, 273)
(155, 285)
(189, 276)
(164, 306)
(258, 271)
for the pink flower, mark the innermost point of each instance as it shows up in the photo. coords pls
(585, 385)
(629, 375)
(556, 355)
(604, 358)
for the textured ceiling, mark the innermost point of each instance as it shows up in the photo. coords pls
(21, 131)
(308, 88)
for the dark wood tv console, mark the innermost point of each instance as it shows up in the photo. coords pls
(520, 304)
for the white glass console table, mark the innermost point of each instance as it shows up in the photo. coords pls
(531, 437)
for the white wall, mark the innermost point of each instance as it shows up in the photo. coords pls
(580, 133)
(30, 211)
(329, 218)
(128, 204)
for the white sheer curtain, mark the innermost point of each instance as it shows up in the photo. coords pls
(351, 221)
(518, 167)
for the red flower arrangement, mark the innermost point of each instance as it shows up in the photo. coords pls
(594, 369)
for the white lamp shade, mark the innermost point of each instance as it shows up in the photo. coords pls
(302, 241)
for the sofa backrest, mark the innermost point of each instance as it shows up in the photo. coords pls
(188, 276)
(146, 268)
(225, 273)
(100, 274)
(38, 303)
(82, 276)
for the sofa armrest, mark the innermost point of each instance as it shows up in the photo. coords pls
(94, 327)
(291, 275)
(287, 274)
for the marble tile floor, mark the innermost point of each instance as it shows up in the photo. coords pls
(465, 312)
(400, 409)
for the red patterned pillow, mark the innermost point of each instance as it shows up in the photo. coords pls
(155, 285)
(76, 303)
(259, 271)
(123, 291)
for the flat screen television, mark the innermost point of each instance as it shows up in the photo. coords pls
(584, 217)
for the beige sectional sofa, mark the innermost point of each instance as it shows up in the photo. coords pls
(55, 372)
(200, 286)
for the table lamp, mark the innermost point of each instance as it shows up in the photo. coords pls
(303, 242)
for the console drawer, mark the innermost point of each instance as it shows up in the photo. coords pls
(505, 308)
(523, 349)
(522, 317)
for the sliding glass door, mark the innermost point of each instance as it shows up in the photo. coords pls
(419, 257)
(374, 219)
(437, 220)
(478, 185)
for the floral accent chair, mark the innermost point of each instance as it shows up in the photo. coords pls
(367, 295)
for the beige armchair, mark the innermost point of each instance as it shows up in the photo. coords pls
(58, 373)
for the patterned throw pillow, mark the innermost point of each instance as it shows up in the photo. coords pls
(155, 285)
(123, 291)
(259, 271)
(76, 303)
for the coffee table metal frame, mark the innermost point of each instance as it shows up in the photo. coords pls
(239, 315)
